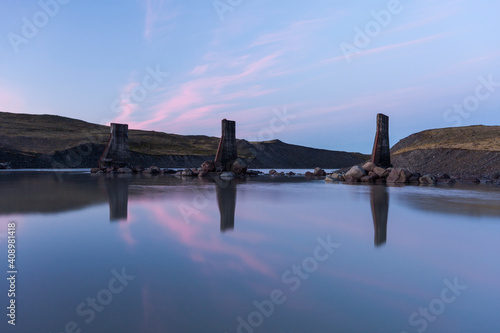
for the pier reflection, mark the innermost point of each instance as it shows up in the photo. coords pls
(226, 199)
(117, 191)
(379, 200)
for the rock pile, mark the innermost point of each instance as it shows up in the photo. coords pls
(370, 173)
(207, 169)
(153, 170)
(5, 165)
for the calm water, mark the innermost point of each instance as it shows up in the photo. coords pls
(162, 254)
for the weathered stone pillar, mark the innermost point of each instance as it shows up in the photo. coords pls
(381, 154)
(379, 199)
(117, 149)
(228, 151)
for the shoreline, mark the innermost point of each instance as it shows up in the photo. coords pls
(335, 176)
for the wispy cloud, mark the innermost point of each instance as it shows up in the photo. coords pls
(481, 58)
(425, 20)
(390, 47)
(293, 33)
(199, 98)
(158, 13)
(199, 70)
(124, 107)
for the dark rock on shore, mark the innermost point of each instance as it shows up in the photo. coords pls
(400, 176)
(355, 173)
(208, 166)
(379, 175)
(4, 165)
(239, 167)
(318, 172)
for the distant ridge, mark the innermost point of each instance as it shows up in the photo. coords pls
(471, 150)
(42, 141)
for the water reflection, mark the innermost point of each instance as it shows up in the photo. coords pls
(379, 199)
(190, 279)
(49, 192)
(117, 190)
(226, 199)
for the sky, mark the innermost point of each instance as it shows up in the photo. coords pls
(312, 73)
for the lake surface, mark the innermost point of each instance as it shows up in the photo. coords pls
(163, 254)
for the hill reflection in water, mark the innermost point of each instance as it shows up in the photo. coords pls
(50, 192)
(203, 250)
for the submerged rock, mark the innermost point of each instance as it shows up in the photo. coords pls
(239, 167)
(203, 174)
(427, 180)
(153, 170)
(227, 175)
(208, 166)
(318, 172)
(368, 179)
(468, 180)
(124, 170)
(445, 181)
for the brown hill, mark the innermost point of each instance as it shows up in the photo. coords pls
(45, 141)
(472, 150)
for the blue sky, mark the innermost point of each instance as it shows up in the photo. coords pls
(312, 73)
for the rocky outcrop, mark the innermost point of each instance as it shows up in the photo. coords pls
(403, 176)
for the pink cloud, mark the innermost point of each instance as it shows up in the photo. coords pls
(193, 236)
(201, 97)
(199, 70)
(123, 105)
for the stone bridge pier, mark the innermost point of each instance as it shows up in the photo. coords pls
(381, 154)
(227, 152)
(117, 150)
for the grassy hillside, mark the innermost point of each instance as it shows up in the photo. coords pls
(473, 150)
(45, 134)
(486, 138)
(23, 138)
